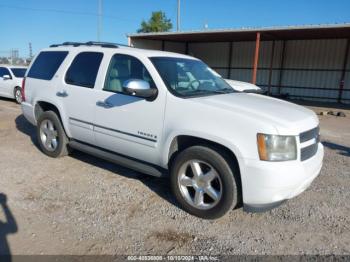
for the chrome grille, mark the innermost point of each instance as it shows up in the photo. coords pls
(310, 150)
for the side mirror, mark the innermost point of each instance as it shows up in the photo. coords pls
(139, 88)
(6, 77)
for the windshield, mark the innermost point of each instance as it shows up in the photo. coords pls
(189, 77)
(19, 72)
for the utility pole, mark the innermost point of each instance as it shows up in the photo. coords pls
(30, 50)
(178, 16)
(99, 25)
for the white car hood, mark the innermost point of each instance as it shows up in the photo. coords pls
(287, 118)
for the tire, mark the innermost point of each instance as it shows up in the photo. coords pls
(17, 95)
(49, 127)
(227, 182)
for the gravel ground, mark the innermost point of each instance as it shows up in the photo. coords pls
(82, 205)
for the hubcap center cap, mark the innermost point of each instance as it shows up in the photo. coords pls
(201, 183)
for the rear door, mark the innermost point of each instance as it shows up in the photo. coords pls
(77, 94)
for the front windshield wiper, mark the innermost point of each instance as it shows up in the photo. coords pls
(223, 91)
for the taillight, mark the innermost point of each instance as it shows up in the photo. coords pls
(22, 89)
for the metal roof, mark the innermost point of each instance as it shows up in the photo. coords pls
(321, 31)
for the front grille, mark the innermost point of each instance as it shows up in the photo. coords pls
(309, 151)
(310, 134)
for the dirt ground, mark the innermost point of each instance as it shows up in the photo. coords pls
(82, 205)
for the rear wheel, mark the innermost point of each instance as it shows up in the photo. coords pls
(18, 95)
(204, 182)
(52, 138)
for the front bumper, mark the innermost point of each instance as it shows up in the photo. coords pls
(267, 184)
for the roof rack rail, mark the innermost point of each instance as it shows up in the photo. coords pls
(90, 43)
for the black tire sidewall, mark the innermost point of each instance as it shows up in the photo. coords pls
(213, 157)
(62, 138)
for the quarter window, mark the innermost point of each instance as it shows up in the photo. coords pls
(46, 64)
(84, 68)
(122, 68)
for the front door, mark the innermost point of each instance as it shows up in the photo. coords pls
(126, 124)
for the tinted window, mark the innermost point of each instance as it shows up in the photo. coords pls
(19, 72)
(4, 71)
(84, 68)
(46, 64)
(122, 68)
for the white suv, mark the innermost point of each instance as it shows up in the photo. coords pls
(11, 78)
(156, 112)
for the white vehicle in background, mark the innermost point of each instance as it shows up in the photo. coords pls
(243, 86)
(11, 78)
(166, 113)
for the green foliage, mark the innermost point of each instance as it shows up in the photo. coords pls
(157, 23)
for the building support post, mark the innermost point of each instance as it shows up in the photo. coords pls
(163, 45)
(229, 60)
(271, 66)
(282, 66)
(186, 48)
(256, 58)
(342, 79)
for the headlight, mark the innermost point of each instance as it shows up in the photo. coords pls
(277, 148)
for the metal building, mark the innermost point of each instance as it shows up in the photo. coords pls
(305, 62)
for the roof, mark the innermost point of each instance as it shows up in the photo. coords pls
(76, 48)
(321, 31)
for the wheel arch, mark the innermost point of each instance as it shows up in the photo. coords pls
(181, 141)
(43, 106)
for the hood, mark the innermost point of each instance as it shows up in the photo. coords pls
(241, 86)
(286, 117)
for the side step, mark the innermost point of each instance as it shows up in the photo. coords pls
(136, 165)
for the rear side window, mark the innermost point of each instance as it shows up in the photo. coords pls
(46, 64)
(84, 68)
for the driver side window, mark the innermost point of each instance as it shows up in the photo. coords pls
(122, 68)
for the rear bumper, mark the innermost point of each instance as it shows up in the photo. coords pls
(28, 112)
(268, 184)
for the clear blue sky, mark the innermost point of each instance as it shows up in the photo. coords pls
(44, 22)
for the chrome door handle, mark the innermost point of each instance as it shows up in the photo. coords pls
(104, 104)
(62, 93)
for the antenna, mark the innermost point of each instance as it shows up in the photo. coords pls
(178, 16)
(99, 22)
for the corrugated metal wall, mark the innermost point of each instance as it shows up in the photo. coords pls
(304, 69)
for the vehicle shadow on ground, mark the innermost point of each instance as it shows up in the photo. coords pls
(342, 150)
(26, 128)
(161, 186)
(9, 226)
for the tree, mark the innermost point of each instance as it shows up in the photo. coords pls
(157, 23)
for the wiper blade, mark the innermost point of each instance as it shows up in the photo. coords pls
(257, 91)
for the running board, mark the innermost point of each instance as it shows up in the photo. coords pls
(115, 158)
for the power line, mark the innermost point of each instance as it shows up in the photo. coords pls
(65, 12)
(178, 16)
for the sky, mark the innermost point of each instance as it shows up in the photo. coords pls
(46, 22)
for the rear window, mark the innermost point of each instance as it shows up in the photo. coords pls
(46, 64)
(19, 72)
(84, 68)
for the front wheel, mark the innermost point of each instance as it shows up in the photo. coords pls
(205, 182)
